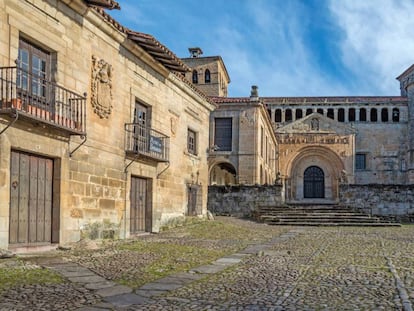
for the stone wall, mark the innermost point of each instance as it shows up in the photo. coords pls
(389, 201)
(242, 201)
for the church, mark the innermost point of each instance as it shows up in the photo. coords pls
(320, 149)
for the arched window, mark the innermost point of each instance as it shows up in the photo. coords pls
(278, 115)
(330, 114)
(309, 111)
(351, 115)
(298, 114)
(362, 114)
(374, 116)
(195, 76)
(395, 115)
(288, 115)
(320, 111)
(384, 115)
(341, 115)
(207, 77)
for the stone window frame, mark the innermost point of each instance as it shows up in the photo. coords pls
(192, 141)
(361, 163)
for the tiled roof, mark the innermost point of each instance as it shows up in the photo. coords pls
(147, 42)
(230, 100)
(158, 51)
(107, 4)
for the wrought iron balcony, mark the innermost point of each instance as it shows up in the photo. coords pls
(37, 99)
(145, 142)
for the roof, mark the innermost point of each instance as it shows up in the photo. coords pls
(406, 72)
(314, 100)
(107, 4)
(148, 43)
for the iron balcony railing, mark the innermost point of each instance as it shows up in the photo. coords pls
(36, 98)
(147, 142)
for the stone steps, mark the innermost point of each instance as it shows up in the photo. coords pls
(317, 215)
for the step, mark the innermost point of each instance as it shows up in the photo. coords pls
(327, 224)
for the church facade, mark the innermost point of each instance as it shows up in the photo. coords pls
(322, 143)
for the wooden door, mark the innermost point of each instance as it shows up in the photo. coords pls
(314, 182)
(194, 200)
(141, 211)
(31, 189)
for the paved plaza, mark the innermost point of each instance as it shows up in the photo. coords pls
(297, 268)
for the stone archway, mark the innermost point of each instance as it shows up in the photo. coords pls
(223, 173)
(327, 175)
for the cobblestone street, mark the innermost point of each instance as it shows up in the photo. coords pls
(298, 268)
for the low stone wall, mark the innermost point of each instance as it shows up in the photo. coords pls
(388, 201)
(242, 201)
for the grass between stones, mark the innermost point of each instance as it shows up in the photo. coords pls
(139, 261)
(21, 274)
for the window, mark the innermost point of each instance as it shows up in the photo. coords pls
(360, 161)
(278, 115)
(320, 111)
(223, 133)
(362, 114)
(35, 64)
(309, 111)
(298, 114)
(192, 142)
(195, 77)
(207, 76)
(261, 141)
(351, 115)
(288, 115)
(374, 117)
(395, 115)
(341, 115)
(330, 114)
(384, 115)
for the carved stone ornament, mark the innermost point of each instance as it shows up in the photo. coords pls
(174, 122)
(101, 87)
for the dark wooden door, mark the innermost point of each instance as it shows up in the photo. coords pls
(140, 198)
(194, 200)
(314, 182)
(31, 188)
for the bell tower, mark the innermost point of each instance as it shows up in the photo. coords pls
(208, 73)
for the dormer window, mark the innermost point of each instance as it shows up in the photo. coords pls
(195, 77)
(207, 77)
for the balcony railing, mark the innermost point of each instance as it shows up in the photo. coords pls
(146, 142)
(36, 98)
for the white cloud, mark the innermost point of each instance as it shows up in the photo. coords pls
(378, 41)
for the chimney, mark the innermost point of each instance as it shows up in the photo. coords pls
(254, 94)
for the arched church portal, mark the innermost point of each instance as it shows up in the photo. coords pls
(313, 174)
(223, 174)
(313, 183)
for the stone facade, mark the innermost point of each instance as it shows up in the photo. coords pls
(126, 153)
(242, 201)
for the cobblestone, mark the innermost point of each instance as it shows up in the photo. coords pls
(305, 269)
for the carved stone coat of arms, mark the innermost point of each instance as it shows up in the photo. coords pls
(101, 98)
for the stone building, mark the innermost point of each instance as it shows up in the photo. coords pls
(322, 143)
(98, 127)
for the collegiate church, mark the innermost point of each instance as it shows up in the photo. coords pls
(315, 143)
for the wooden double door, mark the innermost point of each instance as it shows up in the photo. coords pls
(33, 220)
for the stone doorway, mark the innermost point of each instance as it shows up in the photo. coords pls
(314, 183)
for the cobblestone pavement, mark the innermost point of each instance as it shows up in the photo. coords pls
(307, 268)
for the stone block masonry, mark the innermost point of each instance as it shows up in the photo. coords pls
(388, 201)
(242, 201)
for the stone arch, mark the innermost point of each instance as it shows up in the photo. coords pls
(222, 173)
(327, 160)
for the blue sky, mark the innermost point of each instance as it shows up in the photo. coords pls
(288, 47)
